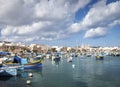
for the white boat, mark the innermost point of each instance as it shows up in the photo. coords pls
(48, 56)
(70, 59)
(55, 57)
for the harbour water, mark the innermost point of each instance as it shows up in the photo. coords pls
(81, 72)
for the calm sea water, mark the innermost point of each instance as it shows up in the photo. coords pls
(82, 72)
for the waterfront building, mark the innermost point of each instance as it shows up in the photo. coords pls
(39, 48)
(7, 46)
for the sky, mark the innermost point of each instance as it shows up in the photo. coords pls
(61, 22)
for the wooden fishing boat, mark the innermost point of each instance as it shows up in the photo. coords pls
(27, 63)
(99, 57)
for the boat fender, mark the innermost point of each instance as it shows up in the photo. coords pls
(30, 75)
(28, 82)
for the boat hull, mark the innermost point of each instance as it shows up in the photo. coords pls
(25, 66)
(33, 66)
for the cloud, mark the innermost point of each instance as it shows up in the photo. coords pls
(15, 13)
(34, 20)
(35, 31)
(29, 20)
(95, 33)
(22, 12)
(99, 15)
(114, 23)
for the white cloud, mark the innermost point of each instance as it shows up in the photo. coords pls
(29, 20)
(99, 15)
(46, 30)
(15, 12)
(114, 23)
(20, 12)
(95, 33)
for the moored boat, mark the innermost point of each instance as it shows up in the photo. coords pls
(27, 63)
(55, 57)
(99, 57)
(70, 59)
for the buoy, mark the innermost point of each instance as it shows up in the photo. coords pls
(28, 82)
(30, 75)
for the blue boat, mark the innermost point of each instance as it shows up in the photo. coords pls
(31, 63)
(5, 71)
(27, 63)
(5, 53)
(32, 66)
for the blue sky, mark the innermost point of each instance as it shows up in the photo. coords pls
(61, 22)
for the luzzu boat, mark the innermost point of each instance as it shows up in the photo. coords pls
(32, 63)
(27, 63)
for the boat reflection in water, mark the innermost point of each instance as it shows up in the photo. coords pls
(56, 61)
(21, 78)
(6, 71)
(5, 78)
(81, 72)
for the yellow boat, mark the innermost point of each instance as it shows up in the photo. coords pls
(27, 63)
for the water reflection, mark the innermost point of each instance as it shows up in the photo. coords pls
(35, 71)
(5, 78)
(80, 84)
(21, 78)
(55, 61)
(81, 72)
